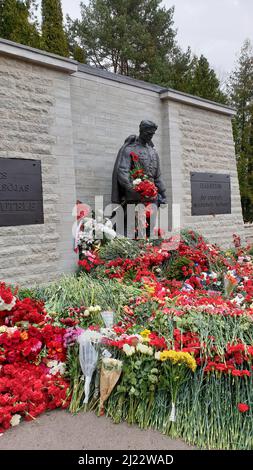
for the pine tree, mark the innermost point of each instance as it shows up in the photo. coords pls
(240, 88)
(137, 38)
(203, 81)
(53, 35)
(77, 52)
(17, 23)
(130, 37)
(179, 71)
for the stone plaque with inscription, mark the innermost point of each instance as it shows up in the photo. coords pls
(21, 200)
(211, 193)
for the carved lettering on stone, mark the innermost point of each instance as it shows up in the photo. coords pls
(211, 193)
(21, 196)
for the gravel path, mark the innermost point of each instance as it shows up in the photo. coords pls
(59, 430)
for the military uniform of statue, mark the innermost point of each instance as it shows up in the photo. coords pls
(122, 188)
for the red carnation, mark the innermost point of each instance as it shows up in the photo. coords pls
(138, 173)
(242, 407)
(5, 293)
(147, 189)
(237, 373)
(134, 156)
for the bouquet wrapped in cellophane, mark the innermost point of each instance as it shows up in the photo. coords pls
(110, 373)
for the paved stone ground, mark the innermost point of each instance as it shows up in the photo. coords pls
(59, 430)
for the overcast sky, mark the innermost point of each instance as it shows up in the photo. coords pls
(216, 28)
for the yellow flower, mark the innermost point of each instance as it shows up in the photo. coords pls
(149, 289)
(178, 358)
(228, 253)
(145, 335)
(145, 332)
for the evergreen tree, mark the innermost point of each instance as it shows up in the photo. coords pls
(78, 54)
(240, 88)
(137, 38)
(130, 37)
(53, 35)
(76, 50)
(17, 22)
(203, 81)
(179, 71)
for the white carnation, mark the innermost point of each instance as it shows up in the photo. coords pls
(136, 181)
(112, 363)
(15, 420)
(128, 350)
(58, 368)
(144, 349)
(8, 307)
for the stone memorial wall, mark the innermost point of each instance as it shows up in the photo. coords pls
(70, 120)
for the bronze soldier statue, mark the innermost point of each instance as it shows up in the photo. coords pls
(122, 188)
(142, 145)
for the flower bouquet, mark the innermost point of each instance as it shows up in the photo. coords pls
(141, 183)
(7, 299)
(231, 281)
(177, 365)
(110, 373)
(91, 233)
(88, 356)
